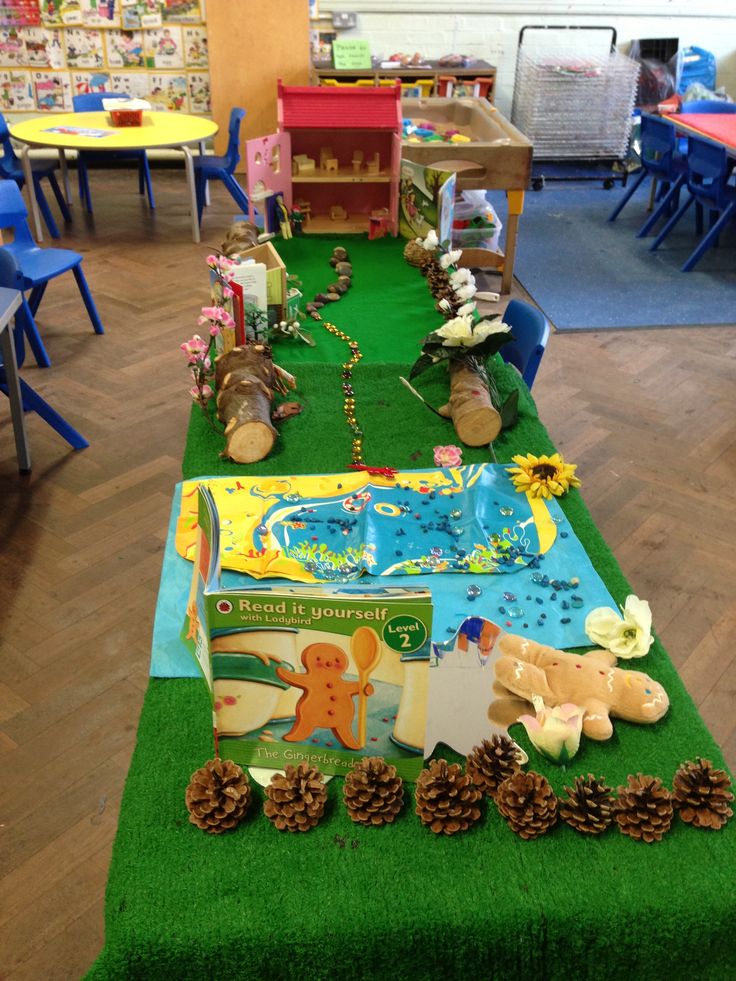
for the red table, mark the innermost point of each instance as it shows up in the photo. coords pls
(718, 126)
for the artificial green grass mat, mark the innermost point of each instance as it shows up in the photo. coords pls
(348, 902)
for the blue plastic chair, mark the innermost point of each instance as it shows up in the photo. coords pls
(32, 268)
(32, 401)
(11, 169)
(709, 106)
(92, 102)
(530, 329)
(222, 168)
(708, 172)
(661, 161)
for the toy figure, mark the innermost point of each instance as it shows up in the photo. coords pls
(297, 219)
(283, 216)
(327, 702)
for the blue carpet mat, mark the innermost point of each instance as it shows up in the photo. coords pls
(590, 274)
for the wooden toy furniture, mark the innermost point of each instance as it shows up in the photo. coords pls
(341, 128)
(416, 80)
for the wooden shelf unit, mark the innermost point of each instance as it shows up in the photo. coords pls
(345, 175)
(406, 75)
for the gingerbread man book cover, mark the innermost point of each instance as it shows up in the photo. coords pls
(315, 673)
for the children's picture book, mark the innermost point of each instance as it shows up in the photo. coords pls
(53, 91)
(60, 13)
(182, 11)
(84, 83)
(168, 92)
(419, 198)
(124, 49)
(100, 13)
(43, 48)
(20, 13)
(164, 48)
(141, 13)
(16, 92)
(294, 673)
(12, 51)
(84, 49)
(195, 47)
(134, 84)
(199, 91)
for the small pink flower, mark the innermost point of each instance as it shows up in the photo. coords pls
(448, 456)
(194, 346)
(214, 330)
(207, 391)
(227, 292)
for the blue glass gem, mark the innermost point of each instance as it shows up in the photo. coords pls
(536, 577)
(509, 597)
(553, 596)
(576, 602)
(435, 550)
(574, 581)
(262, 529)
(398, 552)
(310, 566)
(565, 620)
(540, 600)
(506, 511)
(502, 609)
(473, 591)
(515, 612)
(457, 532)
(292, 498)
(563, 534)
(558, 518)
(456, 514)
(540, 622)
(565, 605)
(543, 616)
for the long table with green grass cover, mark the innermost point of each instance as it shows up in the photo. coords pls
(344, 901)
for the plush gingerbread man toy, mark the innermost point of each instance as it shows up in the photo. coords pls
(591, 681)
(327, 702)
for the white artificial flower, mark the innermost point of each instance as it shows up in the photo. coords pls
(431, 242)
(450, 258)
(465, 292)
(460, 277)
(467, 309)
(445, 305)
(456, 332)
(555, 732)
(630, 636)
(484, 328)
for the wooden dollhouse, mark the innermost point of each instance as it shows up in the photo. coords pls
(336, 158)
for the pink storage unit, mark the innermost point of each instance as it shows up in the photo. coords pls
(340, 148)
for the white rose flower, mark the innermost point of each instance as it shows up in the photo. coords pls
(465, 292)
(445, 305)
(485, 328)
(457, 332)
(460, 277)
(431, 242)
(467, 309)
(630, 636)
(450, 258)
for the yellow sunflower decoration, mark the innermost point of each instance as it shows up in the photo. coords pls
(543, 476)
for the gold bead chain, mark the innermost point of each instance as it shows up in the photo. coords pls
(347, 388)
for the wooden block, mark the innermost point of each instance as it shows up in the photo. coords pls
(303, 164)
(337, 212)
(331, 165)
(357, 161)
(325, 154)
(373, 167)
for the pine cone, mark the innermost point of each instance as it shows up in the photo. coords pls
(218, 796)
(413, 252)
(528, 803)
(701, 794)
(447, 800)
(296, 798)
(373, 792)
(427, 262)
(588, 806)
(644, 808)
(489, 764)
(438, 282)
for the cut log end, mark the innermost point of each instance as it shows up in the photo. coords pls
(250, 442)
(478, 427)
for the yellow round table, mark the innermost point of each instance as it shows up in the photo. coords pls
(170, 130)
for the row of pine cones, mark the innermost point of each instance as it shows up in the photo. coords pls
(448, 799)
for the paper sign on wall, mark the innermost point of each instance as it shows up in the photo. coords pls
(351, 54)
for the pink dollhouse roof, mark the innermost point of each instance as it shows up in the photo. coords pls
(312, 107)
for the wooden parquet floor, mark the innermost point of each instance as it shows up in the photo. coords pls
(649, 416)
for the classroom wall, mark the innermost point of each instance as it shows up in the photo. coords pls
(494, 36)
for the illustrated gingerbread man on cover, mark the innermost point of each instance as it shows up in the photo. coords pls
(327, 702)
